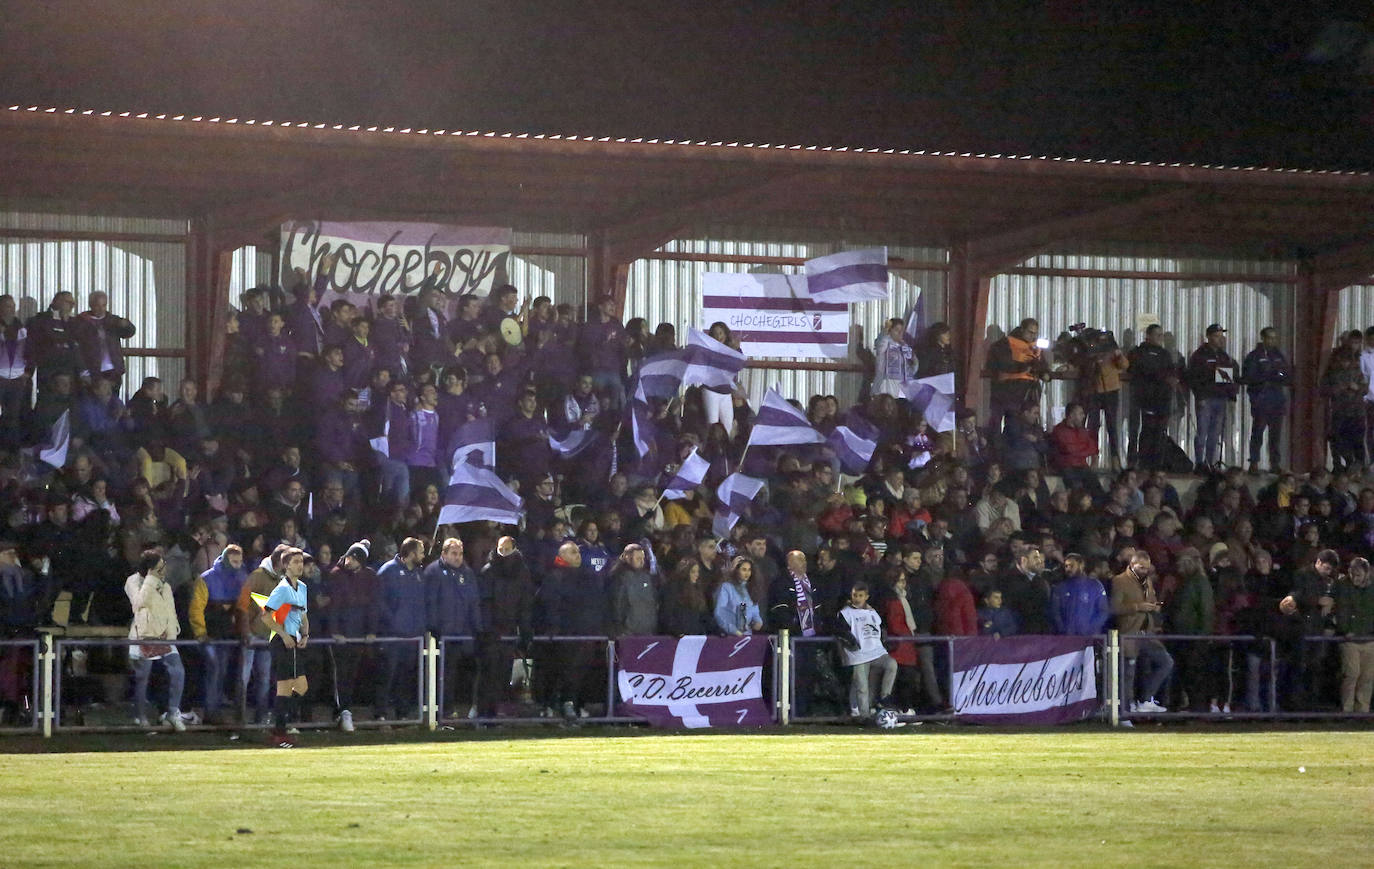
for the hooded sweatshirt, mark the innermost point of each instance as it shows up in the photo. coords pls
(213, 595)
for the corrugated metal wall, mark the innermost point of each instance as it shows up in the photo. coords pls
(669, 291)
(1355, 309)
(1185, 308)
(30, 220)
(146, 282)
(563, 278)
(252, 267)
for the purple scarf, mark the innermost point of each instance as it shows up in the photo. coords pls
(806, 608)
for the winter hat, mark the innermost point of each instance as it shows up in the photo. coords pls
(362, 550)
(1217, 550)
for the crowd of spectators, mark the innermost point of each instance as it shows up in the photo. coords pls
(332, 431)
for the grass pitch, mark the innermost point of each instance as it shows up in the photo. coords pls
(926, 796)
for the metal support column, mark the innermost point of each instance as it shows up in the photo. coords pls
(784, 680)
(431, 682)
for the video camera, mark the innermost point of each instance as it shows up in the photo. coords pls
(1081, 340)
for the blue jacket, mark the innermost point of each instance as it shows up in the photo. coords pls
(455, 607)
(1079, 607)
(224, 582)
(1000, 621)
(729, 599)
(404, 602)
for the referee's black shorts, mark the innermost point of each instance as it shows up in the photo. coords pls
(284, 666)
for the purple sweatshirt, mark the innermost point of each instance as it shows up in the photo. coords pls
(424, 434)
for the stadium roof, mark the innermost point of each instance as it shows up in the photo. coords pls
(247, 175)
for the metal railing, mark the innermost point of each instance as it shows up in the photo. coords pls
(796, 678)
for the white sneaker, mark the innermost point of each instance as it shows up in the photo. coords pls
(1125, 722)
(140, 722)
(346, 721)
(569, 710)
(1226, 709)
(472, 711)
(293, 731)
(173, 717)
(1151, 706)
(854, 712)
(1214, 709)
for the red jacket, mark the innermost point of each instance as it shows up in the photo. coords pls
(1071, 447)
(955, 614)
(895, 622)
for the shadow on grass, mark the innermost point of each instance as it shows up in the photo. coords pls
(226, 740)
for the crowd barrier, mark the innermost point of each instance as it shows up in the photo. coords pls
(53, 684)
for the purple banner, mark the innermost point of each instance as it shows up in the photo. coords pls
(693, 681)
(1024, 680)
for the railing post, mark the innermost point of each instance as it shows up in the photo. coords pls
(1112, 675)
(610, 677)
(431, 682)
(46, 710)
(785, 677)
(1273, 678)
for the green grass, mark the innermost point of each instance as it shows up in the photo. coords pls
(927, 796)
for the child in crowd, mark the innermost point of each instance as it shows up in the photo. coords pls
(993, 621)
(863, 650)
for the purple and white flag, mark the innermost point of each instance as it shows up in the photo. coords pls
(643, 428)
(848, 276)
(709, 362)
(1024, 680)
(933, 398)
(688, 476)
(383, 444)
(54, 449)
(574, 444)
(735, 494)
(475, 493)
(474, 443)
(660, 376)
(693, 681)
(854, 443)
(780, 424)
(916, 320)
(774, 315)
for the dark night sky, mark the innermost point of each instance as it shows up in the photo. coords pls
(1288, 84)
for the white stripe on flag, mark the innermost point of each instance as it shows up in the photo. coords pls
(54, 452)
(688, 477)
(709, 362)
(848, 276)
(780, 424)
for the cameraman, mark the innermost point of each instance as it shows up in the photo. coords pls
(1154, 378)
(1017, 368)
(1099, 362)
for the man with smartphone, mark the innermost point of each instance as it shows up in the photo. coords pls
(1136, 607)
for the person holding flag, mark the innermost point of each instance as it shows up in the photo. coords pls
(718, 346)
(895, 363)
(284, 616)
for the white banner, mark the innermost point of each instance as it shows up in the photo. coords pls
(774, 315)
(1026, 686)
(399, 258)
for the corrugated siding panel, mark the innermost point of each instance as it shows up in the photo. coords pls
(146, 282)
(1185, 310)
(669, 291)
(569, 240)
(252, 267)
(1355, 309)
(93, 223)
(561, 278)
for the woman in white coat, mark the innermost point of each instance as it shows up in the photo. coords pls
(155, 622)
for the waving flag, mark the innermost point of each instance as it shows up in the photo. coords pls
(849, 276)
(383, 444)
(660, 376)
(735, 493)
(933, 398)
(476, 493)
(688, 477)
(574, 444)
(709, 362)
(642, 427)
(916, 320)
(474, 443)
(854, 443)
(781, 424)
(54, 451)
